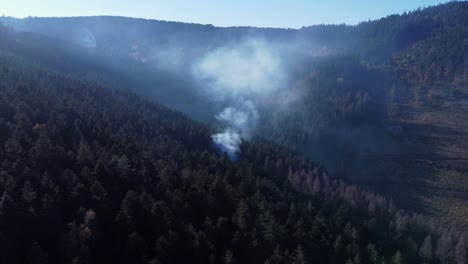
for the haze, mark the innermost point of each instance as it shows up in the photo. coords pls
(262, 13)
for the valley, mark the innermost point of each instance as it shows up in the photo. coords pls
(143, 141)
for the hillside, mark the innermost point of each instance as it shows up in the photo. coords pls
(93, 174)
(380, 107)
(382, 104)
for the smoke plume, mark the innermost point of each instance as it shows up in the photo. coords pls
(240, 121)
(239, 76)
(85, 38)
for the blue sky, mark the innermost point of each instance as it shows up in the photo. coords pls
(261, 13)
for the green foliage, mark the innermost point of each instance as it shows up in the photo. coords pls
(153, 193)
(91, 174)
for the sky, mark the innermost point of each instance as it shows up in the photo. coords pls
(260, 13)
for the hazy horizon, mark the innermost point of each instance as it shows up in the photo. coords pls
(271, 14)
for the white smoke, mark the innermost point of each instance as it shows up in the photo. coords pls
(229, 141)
(171, 58)
(240, 121)
(85, 38)
(242, 118)
(239, 76)
(246, 69)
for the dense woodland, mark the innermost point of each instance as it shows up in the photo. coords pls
(91, 172)
(343, 115)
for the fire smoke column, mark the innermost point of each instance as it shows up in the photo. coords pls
(239, 75)
(228, 141)
(241, 121)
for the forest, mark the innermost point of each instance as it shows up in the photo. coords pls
(102, 162)
(92, 174)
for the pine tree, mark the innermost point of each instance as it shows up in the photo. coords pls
(299, 256)
(425, 252)
(28, 193)
(85, 156)
(228, 258)
(276, 258)
(13, 148)
(461, 250)
(43, 151)
(445, 246)
(397, 259)
(374, 255)
(6, 204)
(242, 215)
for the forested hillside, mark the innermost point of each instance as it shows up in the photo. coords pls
(351, 125)
(91, 174)
(382, 103)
